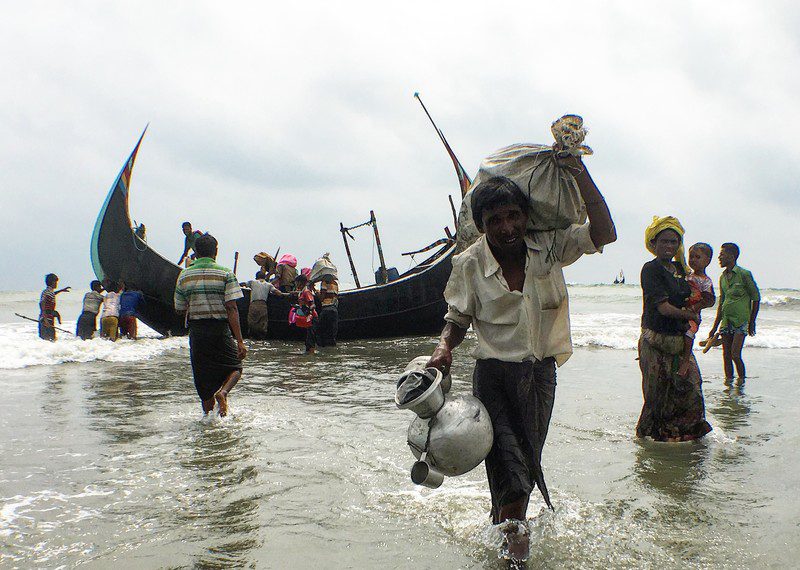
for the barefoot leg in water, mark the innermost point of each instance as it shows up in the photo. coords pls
(208, 405)
(222, 394)
(516, 530)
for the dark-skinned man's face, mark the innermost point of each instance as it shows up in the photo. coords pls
(504, 226)
(726, 258)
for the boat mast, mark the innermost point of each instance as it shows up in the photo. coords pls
(345, 234)
(374, 222)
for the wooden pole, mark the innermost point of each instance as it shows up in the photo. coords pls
(235, 261)
(384, 273)
(349, 256)
(453, 208)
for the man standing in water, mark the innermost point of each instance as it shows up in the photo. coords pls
(47, 307)
(509, 286)
(206, 294)
(739, 301)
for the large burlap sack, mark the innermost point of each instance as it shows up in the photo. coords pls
(322, 267)
(554, 200)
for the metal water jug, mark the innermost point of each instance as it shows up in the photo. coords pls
(451, 435)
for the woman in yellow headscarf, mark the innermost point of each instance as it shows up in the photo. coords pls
(673, 404)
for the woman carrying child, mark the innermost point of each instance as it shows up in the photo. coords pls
(673, 407)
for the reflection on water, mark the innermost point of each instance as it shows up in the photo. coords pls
(671, 469)
(732, 411)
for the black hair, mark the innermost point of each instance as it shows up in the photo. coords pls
(50, 279)
(94, 284)
(261, 275)
(705, 247)
(497, 191)
(184, 224)
(301, 277)
(112, 286)
(733, 248)
(206, 246)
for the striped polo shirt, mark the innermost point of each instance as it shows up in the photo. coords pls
(204, 287)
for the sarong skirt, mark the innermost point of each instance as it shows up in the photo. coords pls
(213, 354)
(519, 397)
(673, 405)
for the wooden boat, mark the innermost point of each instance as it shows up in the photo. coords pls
(413, 304)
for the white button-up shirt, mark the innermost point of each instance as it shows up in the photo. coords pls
(511, 325)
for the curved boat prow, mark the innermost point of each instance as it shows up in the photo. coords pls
(119, 255)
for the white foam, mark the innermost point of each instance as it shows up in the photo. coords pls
(20, 347)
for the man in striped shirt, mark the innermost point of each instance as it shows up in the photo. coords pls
(206, 293)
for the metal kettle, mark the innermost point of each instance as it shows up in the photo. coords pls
(451, 435)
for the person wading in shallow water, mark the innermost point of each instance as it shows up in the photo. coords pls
(47, 307)
(509, 286)
(206, 294)
(737, 310)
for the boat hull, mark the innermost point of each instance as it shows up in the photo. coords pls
(412, 305)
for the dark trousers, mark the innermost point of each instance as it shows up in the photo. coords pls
(328, 326)
(519, 397)
(87, 323)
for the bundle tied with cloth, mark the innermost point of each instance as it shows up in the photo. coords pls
(554, 200)
(323, 267)
(658, 225)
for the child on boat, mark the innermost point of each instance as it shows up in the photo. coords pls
(702, 295)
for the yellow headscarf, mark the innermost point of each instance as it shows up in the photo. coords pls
(658, 226)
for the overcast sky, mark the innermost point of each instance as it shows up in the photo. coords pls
(271, 123)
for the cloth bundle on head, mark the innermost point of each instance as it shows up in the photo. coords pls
(659, 225)
(288, 259)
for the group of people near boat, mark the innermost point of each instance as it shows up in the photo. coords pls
(118, 310)
(206, 294)
(509, 287)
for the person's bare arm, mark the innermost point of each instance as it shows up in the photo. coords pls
(64, 290)
(673, 312)
(233, 321)
(601, 226)
(442, 357)
(718, 318)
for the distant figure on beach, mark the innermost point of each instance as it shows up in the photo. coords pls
(129, 303)
(87, 321)
(509, 286)
(109, 318)
(206, 295)
(47, 307)
(702, 296)
(329, 313)
(257, 313)
(189, 242)
(739, 302)
(673, 408)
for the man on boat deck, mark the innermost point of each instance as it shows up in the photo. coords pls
(509, 286)
(47, 307)
(206, 294)
(189, 242)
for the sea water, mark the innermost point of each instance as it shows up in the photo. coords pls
(106, 459)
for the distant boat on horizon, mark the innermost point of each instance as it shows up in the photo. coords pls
(620, 279)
